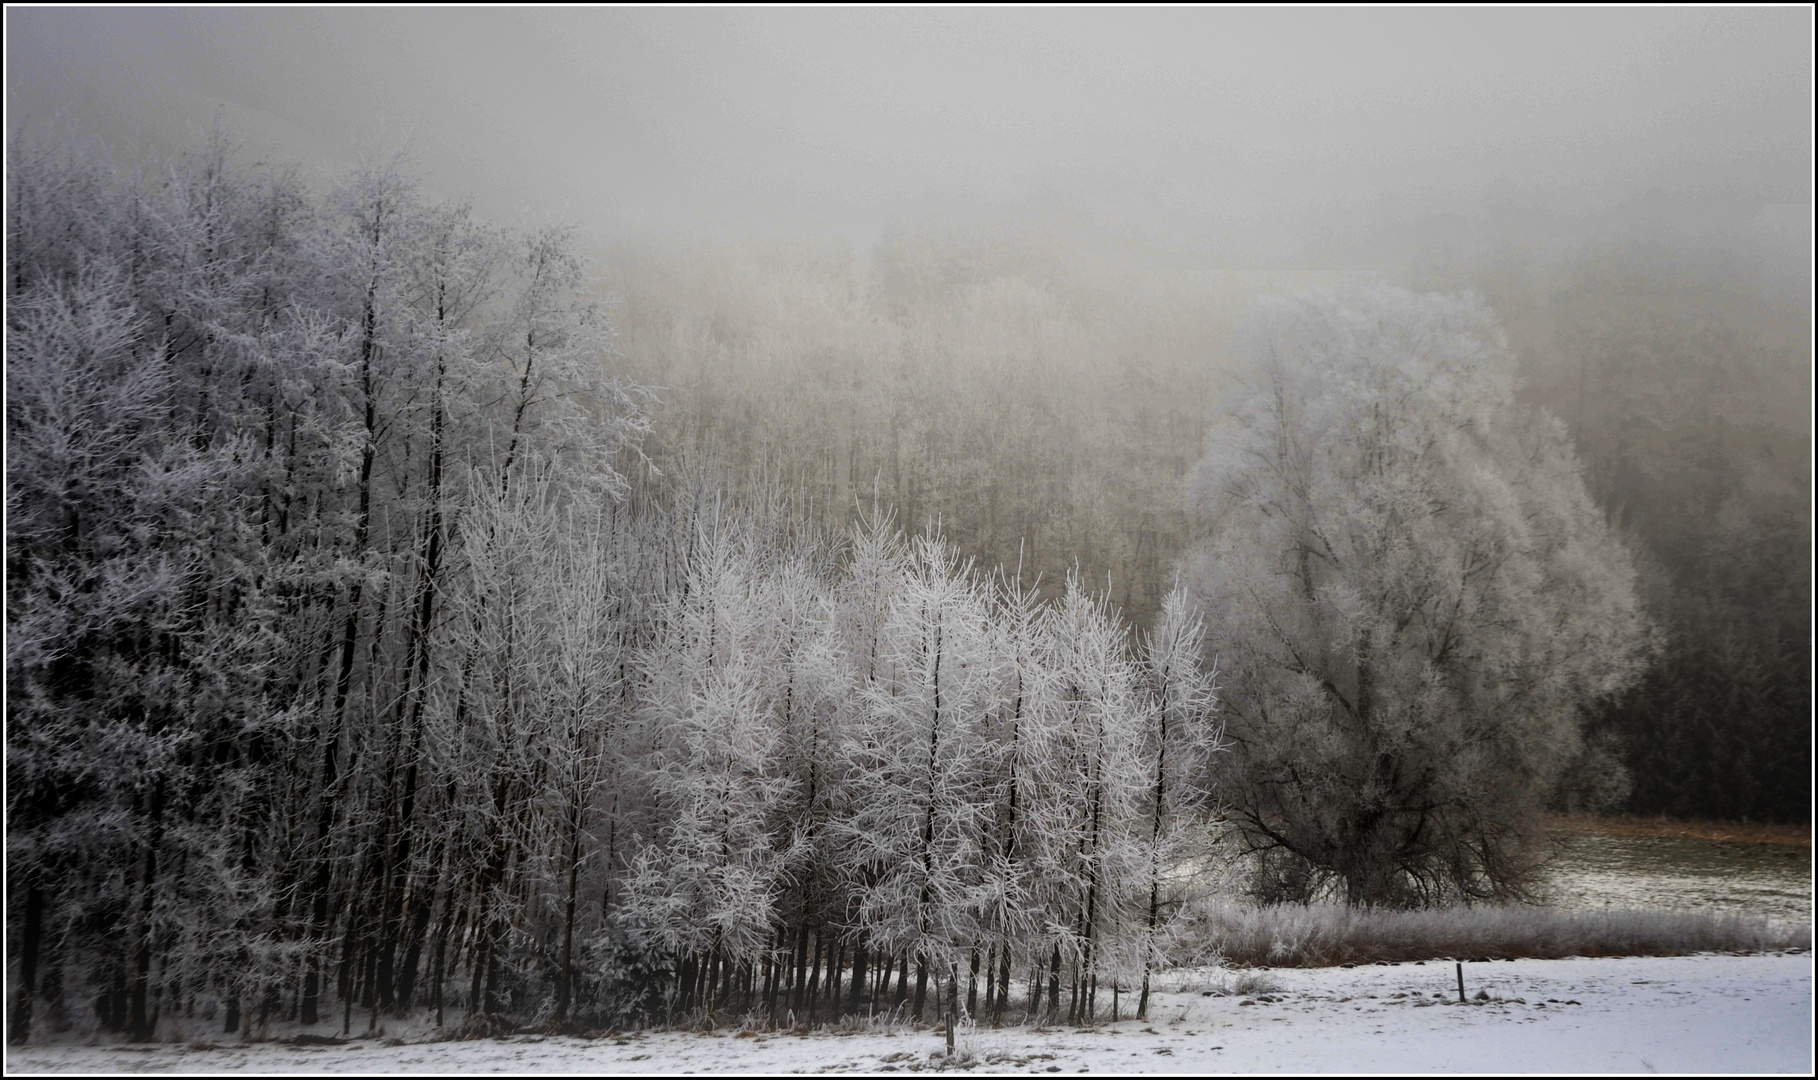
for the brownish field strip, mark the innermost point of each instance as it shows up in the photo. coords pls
(1735, 832)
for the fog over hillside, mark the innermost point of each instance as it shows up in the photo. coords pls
(1235, 139)
(601, 517)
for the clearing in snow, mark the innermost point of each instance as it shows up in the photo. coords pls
(1645, 1014)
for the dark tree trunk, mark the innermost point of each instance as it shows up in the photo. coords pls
(413, 955)
(140, 1020)
(1054, 973)
(113, 1003)
(972, 985)
(767, 993)
(991, 979)
(441, 961)
(1003, 985)
(952, 1004)
(801, 967)
(858, 976)
(477, 978)
(813, 990)
(564, 988)
(30, 935)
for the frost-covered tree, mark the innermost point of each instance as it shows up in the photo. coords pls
(1095, 854)
(1178, 746)
(139, 600)
(357, 659)
(710, 883)
(915, 766)
(810, 691)
(1023, 732)
(1413, 598)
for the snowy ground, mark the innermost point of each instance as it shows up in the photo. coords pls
(1665, 1014)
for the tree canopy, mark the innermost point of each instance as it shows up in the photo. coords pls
(1412, 598)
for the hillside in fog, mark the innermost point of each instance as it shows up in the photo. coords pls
(582, 520)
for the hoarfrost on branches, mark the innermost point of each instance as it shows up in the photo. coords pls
(1415, 599)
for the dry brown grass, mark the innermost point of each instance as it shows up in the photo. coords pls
(1323, 935)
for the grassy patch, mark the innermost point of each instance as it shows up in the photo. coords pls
(1322, 935)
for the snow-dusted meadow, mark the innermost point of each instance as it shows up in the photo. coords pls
(1655, 1014)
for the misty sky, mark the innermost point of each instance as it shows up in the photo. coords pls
(1256, 136)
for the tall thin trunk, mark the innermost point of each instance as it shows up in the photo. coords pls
(801, 967)
(350, 626)
(768, 993)
(835, 965)
(442, 931)
(991, 979)
(934, 749)
(417, 649)
(21, 1027)
(140, 1020)
(1003, 985)
(858, 975)
(814, 974)
(413, 949)
(565, 985)
(1161, 773)
(1054, 974)
(972, 984)
(952, 1003)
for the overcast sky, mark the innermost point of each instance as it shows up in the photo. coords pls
(1265, 135)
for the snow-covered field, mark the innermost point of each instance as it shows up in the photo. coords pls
(1665, 1014)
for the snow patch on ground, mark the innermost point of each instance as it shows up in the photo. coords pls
(1665, 1014)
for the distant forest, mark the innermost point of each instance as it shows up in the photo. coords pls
(1039, 395)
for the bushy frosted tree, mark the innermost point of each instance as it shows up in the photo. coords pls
(1413, 598)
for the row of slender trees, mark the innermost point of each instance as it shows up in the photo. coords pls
(347, 669)
(903, 769)
(1038, 396)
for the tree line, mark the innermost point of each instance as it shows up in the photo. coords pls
(356, 663)
(372, 646)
